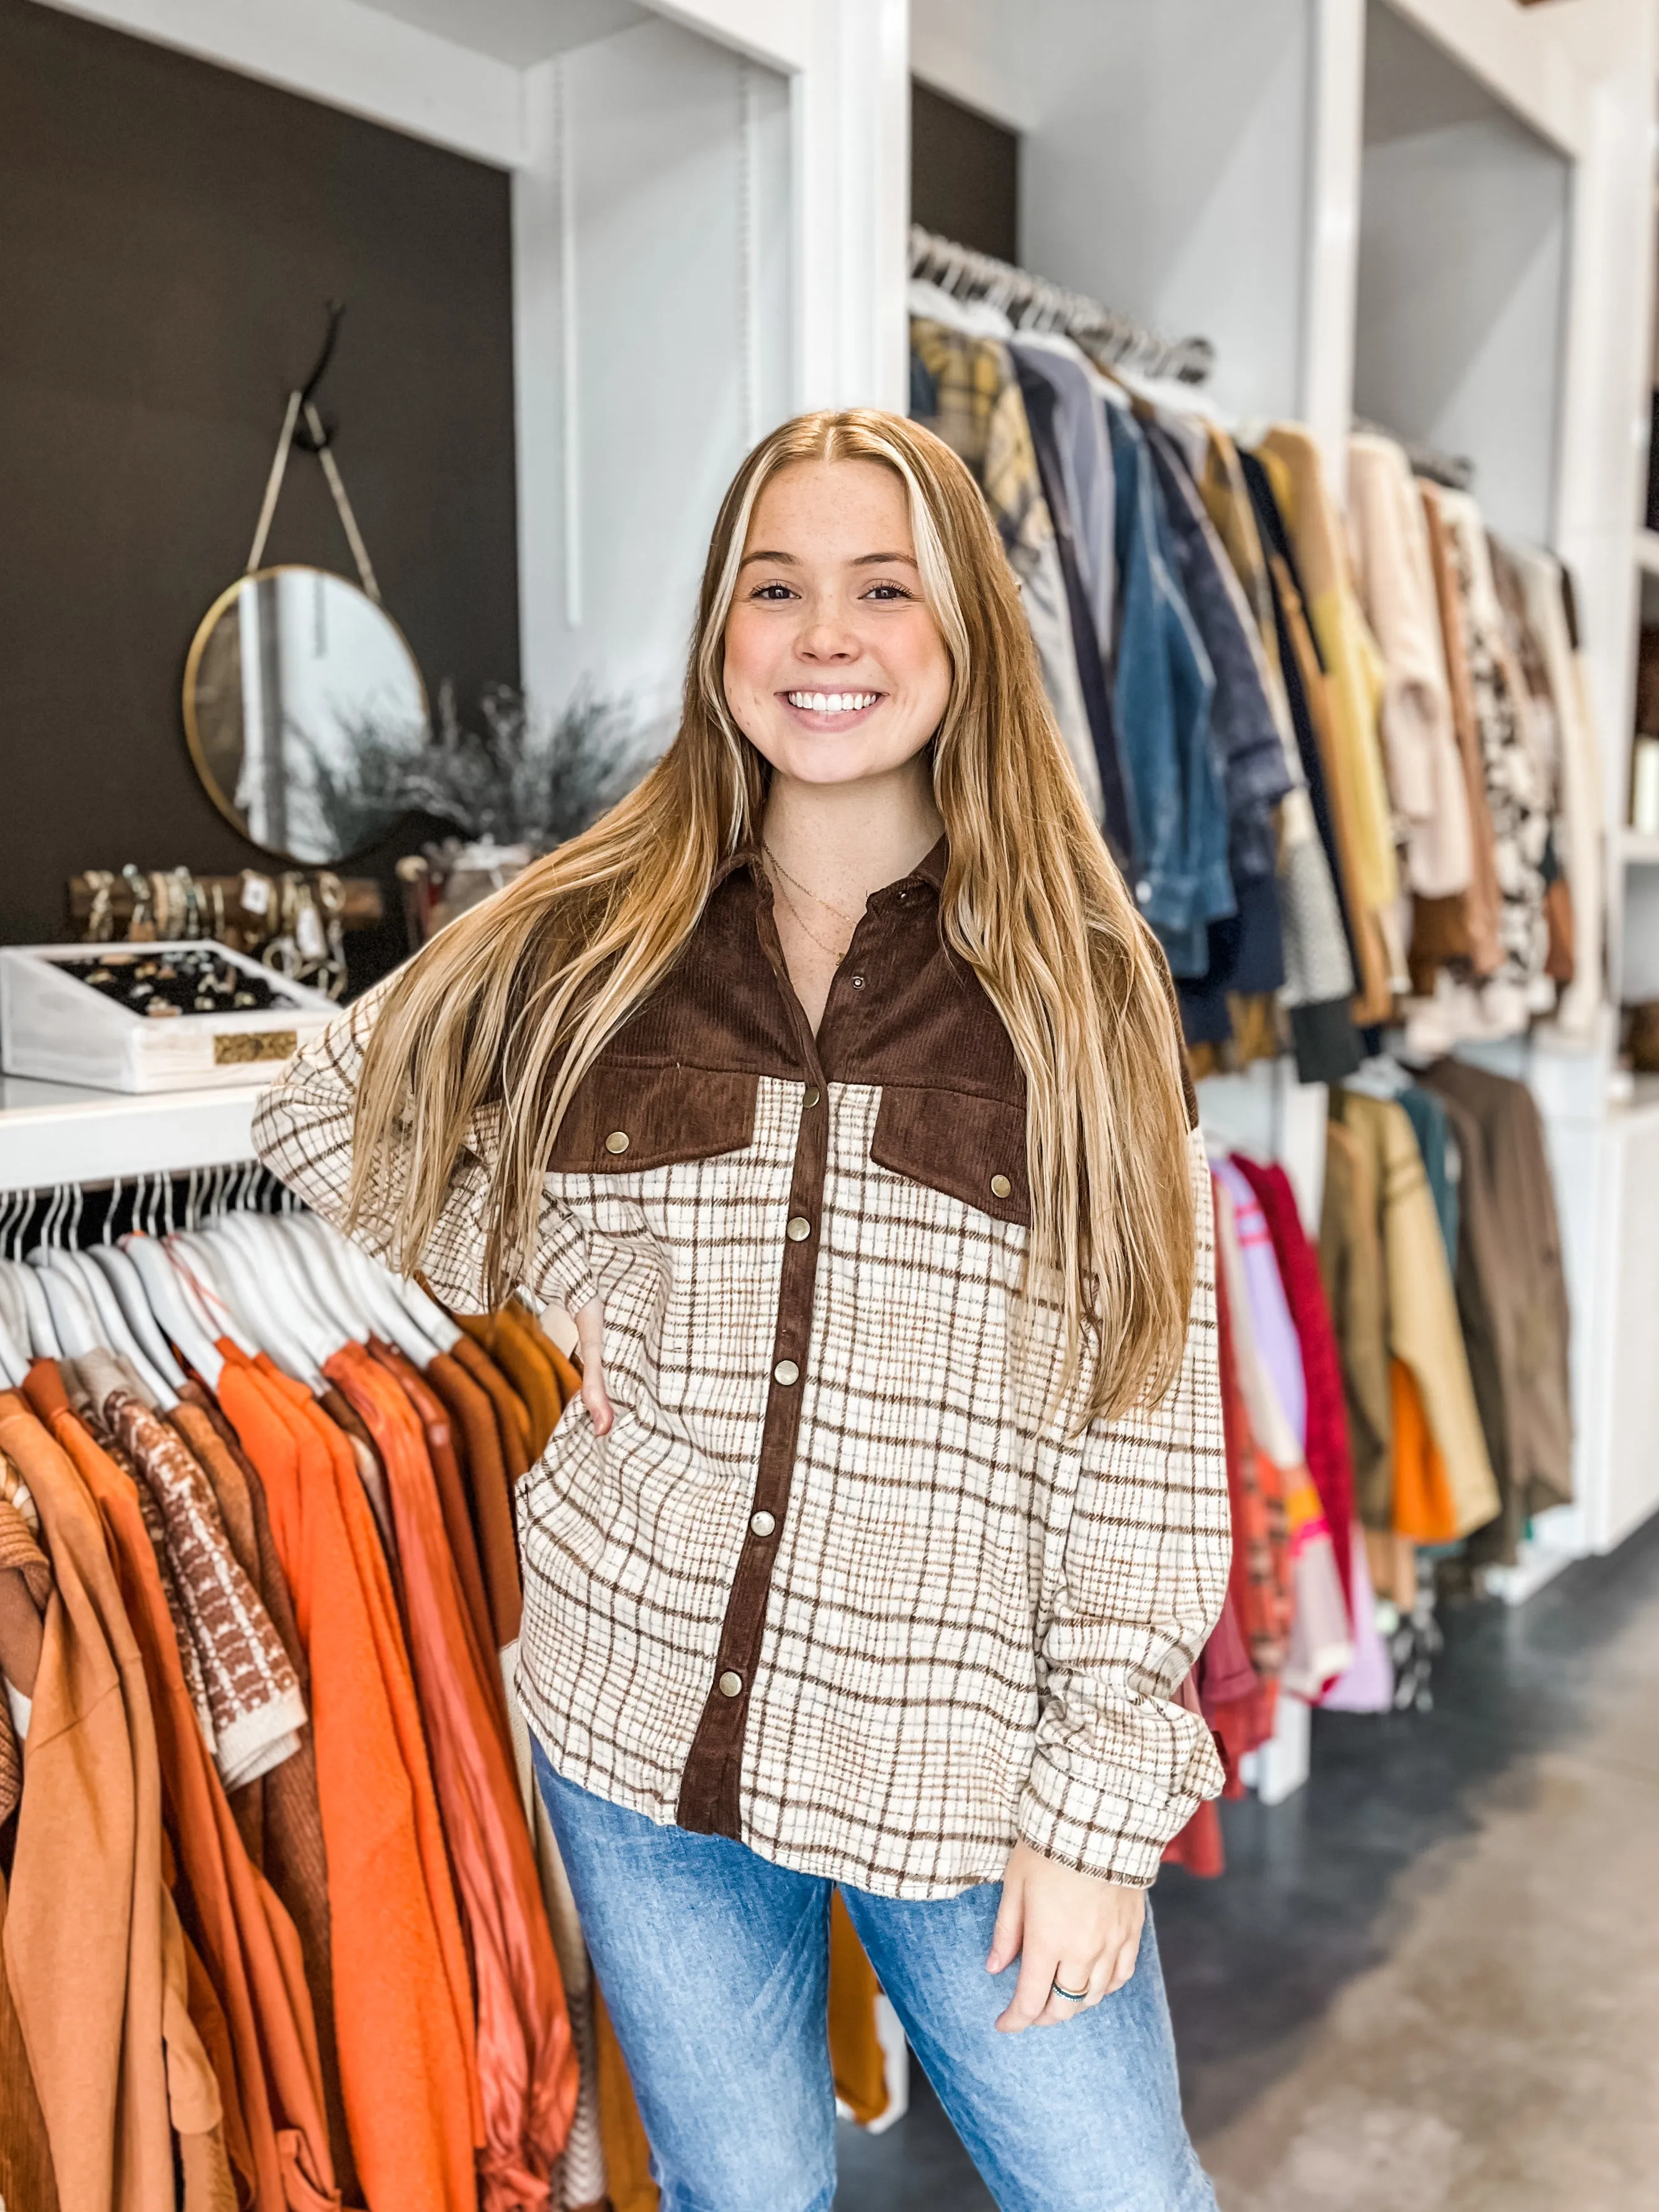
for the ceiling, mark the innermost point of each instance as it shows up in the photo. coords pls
(522, 31)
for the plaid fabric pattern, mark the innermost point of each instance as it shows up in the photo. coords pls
(974, 1625)
(981, 416)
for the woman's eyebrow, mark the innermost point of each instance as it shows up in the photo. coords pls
(858, 560)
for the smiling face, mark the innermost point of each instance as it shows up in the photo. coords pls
(835, 668)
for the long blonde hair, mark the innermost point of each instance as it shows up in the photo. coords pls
(505, 1011)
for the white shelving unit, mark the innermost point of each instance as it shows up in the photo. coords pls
(58, 1133)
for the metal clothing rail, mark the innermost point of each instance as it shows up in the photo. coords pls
(1112, 340)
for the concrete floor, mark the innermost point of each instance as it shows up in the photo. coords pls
(1430, 1981)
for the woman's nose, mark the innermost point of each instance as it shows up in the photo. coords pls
(822, 640)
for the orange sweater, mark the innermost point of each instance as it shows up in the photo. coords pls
(526, 2061)
(406, 2062)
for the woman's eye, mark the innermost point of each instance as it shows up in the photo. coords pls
(772, 592)
(887, 591)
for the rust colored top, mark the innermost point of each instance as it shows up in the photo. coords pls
(401, 2014)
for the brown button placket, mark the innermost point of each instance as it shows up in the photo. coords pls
(710, 1798)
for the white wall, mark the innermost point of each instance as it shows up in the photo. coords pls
(654, 345)
(1462, 250)
(1163, 160)
(1166, 175)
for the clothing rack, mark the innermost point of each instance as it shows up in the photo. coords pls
(60, 1214)
(1454, 471)
(1111, 339)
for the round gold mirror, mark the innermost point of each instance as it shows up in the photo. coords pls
(303, 704)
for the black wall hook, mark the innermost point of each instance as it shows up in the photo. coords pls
(303, 436)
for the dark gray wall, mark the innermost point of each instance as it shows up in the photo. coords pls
(168, 232)
(965, 173)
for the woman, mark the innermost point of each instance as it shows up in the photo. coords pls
(833, 1082)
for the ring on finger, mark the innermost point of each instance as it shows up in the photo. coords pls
(1071, 1996)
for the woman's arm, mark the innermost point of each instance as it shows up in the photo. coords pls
(1120, 1766)
(302, 1131)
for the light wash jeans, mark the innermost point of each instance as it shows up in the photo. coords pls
(716, 1967)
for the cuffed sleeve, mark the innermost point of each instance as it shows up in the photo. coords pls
(302, 1131)
(1119, 1767)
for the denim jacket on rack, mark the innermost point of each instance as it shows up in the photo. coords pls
(1162, 693)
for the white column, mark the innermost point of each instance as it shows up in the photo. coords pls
(1335, 134)
(852, 125)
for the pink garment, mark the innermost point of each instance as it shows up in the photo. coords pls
(1368, 1685)
(1276, 1347)
(1329, 1459)
(1321, 1641)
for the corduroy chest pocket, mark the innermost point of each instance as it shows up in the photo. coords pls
(627, 1119)
(970, 1148)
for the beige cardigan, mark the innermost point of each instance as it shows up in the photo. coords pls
(1393, 573)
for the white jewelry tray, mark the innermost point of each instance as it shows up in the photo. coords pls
(56, 1027)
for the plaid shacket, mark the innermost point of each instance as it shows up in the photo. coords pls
(826, 1588)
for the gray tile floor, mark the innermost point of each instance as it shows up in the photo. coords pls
(1430, 1981)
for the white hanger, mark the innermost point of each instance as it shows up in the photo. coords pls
(334, 1298)
(204, 1288)
(378, 1293)
(162, 1289)
(117, 1332)
(264, 1299)
(42, 1335)
(128, 1285)
(14, 1360)
(194, 1264)
(73, 1316)
(279, 1269)
(429, 1315)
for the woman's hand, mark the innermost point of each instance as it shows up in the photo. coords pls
(1073, 1929)
(590, 1342)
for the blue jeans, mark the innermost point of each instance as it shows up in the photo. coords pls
(715, 1968)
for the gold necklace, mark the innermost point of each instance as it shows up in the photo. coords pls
(838, 952)
(851, 920)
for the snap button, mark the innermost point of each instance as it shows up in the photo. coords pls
(800, 1229)
(786, 1372)
(762, 1524)
(813, 1095)
(616, 1141)
(857, 982)
(730, 1684)
(1000, 1186)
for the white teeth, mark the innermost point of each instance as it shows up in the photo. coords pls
(832, 702)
